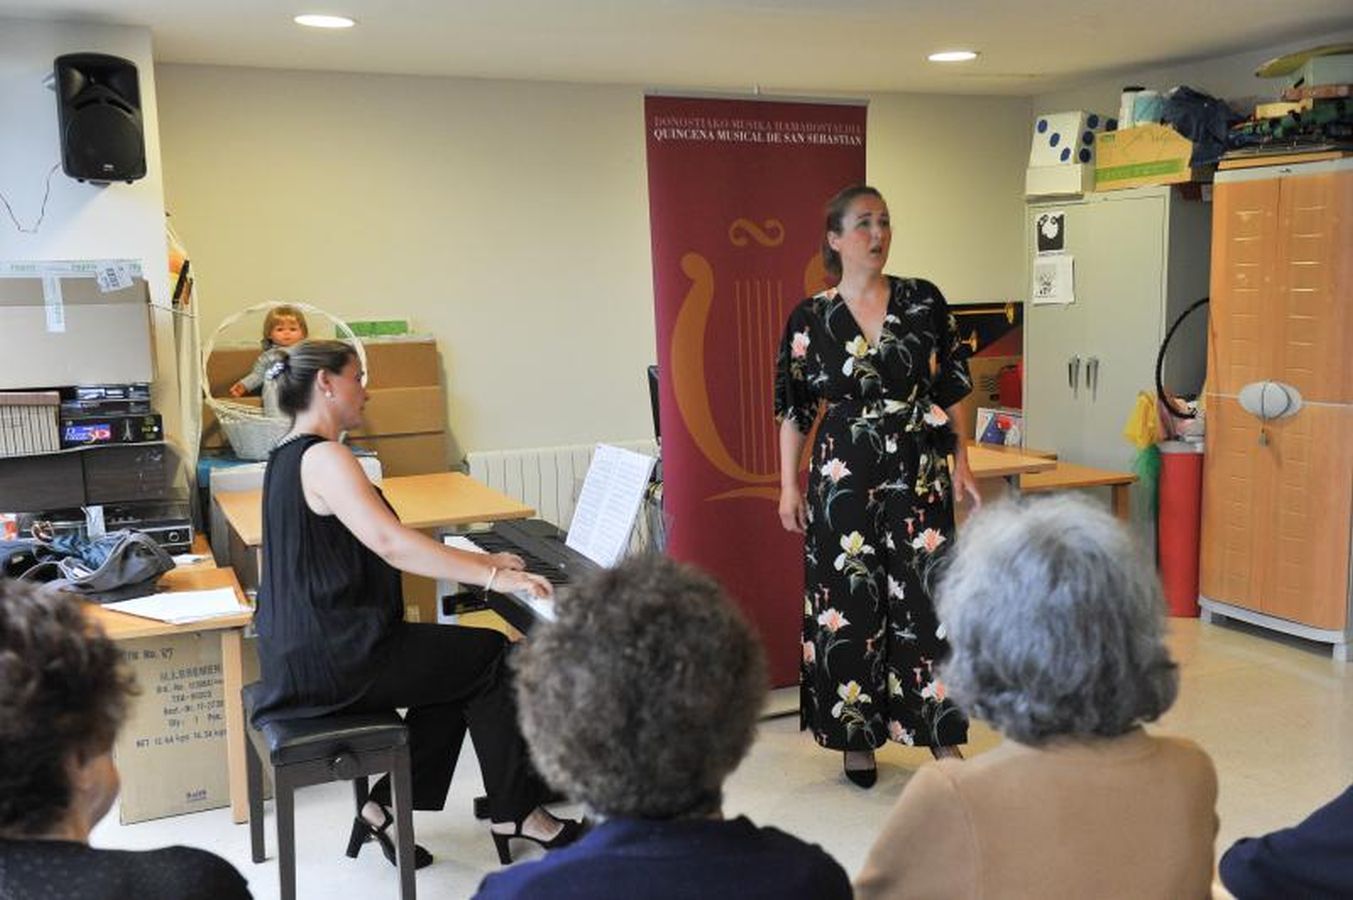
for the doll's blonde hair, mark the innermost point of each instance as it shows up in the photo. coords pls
(283, 311)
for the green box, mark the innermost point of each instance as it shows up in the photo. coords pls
(379, 327)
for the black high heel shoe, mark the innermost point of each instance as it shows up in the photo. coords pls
(363, 831)
(572, 830)
(865, 778)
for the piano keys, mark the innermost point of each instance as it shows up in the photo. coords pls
(541, 547)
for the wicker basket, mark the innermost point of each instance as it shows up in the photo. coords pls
(253, 433)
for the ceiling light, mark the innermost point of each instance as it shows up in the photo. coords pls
(953, 56)
(319, 21)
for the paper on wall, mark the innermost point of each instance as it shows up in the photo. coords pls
(1054, 280)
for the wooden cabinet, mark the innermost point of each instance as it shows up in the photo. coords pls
(1140, 258)
(1277, 495)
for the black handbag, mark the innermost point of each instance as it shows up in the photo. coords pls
(119, 565)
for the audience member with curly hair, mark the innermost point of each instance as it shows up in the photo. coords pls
(63, 696)
(638, 701)
(1057, 626)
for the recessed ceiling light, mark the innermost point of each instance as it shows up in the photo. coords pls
(953, 56)
(320, 21)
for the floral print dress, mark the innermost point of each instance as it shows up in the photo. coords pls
(880, 513)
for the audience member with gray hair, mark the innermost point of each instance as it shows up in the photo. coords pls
(638, 701)
(1057, 626)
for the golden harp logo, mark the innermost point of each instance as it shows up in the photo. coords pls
(760, 307)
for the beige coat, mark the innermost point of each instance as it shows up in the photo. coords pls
(1130, 817)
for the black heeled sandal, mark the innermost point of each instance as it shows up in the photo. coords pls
(865, 778)
(572, 830)
(363, 831)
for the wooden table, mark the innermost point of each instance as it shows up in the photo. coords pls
(1069, 476)
(438, 500)
(124, 627)
(995, 461)
(420, 501)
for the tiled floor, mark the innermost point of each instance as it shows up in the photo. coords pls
(1276, 714)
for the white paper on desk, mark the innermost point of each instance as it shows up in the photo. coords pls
(181, 607)
(609, 504)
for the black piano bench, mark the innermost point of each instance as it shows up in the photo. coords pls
(303, 752)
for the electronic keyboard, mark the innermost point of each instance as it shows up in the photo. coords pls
(541, 546)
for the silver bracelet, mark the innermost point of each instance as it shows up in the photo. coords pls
(488, 585)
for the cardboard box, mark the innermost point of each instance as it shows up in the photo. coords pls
(1332, 68)
(64, 329)
(365, 328)
(407, 410)
(391, 362)
(404, 410)
(171, 752)
(1146, 154)
(1059, 181)
(402, 362)
(409, 454)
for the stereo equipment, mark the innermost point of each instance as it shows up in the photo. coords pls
(168, 524)
(95, 392)
(118, 428)
(98, 105)
(105, 400)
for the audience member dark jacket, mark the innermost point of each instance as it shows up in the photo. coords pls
(57, 870)
(1313, 860)
(708, 859)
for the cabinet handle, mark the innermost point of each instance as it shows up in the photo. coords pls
(1092, 376)
(1073, 374)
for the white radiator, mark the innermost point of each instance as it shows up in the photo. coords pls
(546, 478)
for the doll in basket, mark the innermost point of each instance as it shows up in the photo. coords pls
(283, 327)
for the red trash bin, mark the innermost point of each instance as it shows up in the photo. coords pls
(1179, 524)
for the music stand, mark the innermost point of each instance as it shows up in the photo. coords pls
(653, 402)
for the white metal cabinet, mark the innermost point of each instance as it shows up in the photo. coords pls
(1141, 257)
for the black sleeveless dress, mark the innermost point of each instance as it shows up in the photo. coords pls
(327, 605)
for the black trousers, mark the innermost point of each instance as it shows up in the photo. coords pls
(450, 679)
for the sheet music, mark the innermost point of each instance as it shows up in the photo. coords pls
(609, 505)
(181, 607)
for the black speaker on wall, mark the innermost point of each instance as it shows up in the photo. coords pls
(98, 103)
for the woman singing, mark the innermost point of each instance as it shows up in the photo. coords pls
(881, 354)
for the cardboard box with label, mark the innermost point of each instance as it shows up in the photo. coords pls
(65, 325)
(171, 752)
(1146, 154)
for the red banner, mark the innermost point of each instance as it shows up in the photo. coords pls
(735, 192)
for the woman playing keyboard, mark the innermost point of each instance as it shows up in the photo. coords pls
(330, 613)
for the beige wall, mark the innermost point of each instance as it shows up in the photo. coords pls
(83, 221)
(952, 169)
(510, 219)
